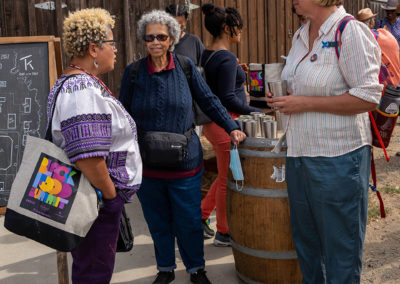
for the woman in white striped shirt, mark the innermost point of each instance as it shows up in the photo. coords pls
(329, 140)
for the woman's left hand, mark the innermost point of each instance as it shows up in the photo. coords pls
(288, 104)
(244, 66)
(237, 136)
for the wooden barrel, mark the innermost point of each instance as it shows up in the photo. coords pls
(258, 217)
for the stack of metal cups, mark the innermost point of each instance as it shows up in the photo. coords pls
(270, 128)
(258, 125)
(248, 125)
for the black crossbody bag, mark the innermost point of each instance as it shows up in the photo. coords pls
(164, 149)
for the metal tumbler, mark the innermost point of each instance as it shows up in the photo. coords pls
(270, 129)
(256, 117)
(249, 127)
(239, 122)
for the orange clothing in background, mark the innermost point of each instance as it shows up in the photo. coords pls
(216, 196)
(390, 69)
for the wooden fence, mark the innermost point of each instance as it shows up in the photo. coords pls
(268, 25)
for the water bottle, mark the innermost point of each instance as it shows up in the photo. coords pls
(385, 115)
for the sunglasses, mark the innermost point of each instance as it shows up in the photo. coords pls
(113, 45)
(160, 37)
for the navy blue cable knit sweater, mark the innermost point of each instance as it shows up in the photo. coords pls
(162, 102)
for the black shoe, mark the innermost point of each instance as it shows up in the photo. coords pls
(222, 240)
(208, 232)
(164, 277)
(199, 277)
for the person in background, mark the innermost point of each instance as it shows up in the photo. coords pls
(390, 66)
(391, 22)
(97, 134)
(367, 17)
(328, 138)
(161, 101)
(225, 77)
(189, 45)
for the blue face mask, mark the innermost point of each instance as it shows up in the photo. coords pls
(235, 165)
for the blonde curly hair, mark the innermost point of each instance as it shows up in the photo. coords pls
(83, 27)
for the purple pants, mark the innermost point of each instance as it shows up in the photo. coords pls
(93, 261)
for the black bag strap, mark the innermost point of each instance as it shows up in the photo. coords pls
(186, 66)
(48, 135)
(187, 69)
(211, 56)
(133, 73)
(189, 133)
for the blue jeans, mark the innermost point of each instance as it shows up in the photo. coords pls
(172, 209)
(328, 211)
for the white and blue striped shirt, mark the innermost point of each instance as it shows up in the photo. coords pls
(356, 72)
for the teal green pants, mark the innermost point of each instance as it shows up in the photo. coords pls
(328, 211)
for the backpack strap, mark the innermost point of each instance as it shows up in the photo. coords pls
(133, 72)
(374, 187)
(187, 69)
(211, 56)
(339, 31)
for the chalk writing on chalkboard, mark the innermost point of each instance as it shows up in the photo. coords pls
(24, 86)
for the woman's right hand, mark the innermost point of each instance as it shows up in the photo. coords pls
(95, 170)
(237, 136)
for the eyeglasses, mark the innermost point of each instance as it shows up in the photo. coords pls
(160, 37)
(113, 45)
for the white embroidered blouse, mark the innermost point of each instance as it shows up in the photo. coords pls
(89, 122)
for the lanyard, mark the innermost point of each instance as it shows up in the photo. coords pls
(93, 77)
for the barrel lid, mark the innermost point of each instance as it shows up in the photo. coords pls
(393, 90)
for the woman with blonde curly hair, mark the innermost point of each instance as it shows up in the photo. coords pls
(97, 134)
(329, 139)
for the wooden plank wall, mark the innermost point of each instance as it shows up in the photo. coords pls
(268, 25)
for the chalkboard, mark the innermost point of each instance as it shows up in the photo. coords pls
(27, 71)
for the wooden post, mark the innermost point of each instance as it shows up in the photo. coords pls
(32, 18)
(62, 267)
(127, 31)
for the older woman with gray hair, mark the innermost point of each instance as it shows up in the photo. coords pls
(158, 93)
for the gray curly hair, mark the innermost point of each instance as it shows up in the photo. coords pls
(160, 17)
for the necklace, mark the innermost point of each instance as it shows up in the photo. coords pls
(93, 77)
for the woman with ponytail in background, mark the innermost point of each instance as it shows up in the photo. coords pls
(225, 77)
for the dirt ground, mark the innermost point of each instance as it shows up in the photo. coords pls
(381, 262)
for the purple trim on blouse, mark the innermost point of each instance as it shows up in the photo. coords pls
(116, 164)
(127, 192)
(88, 155)
(87, 133)
(116, 167)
